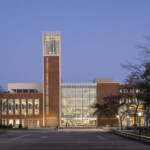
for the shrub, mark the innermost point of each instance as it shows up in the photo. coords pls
(1, 126)
(4, 126)
(20, 126)
(10, 126)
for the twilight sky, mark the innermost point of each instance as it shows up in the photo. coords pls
(97, 36)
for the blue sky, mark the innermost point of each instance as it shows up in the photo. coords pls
(97, 36)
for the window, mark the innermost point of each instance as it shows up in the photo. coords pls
(131, 90)
(4, 107)
(4, 122)
(30, 107)
(76, 104)
(36, 106)
(10, 106)
(23, 123)
(17, 122)
(30, 123)
(17, 106)
(23, 106)
(51, 44)
(125, 90)
(137, 90)
(11, 122)
(36, 123)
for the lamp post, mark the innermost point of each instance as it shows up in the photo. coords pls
(139, 114)
(26, 123)
(118, 121)
(127, 121)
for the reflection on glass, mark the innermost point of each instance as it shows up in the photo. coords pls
(23, 106)
(36, 106)
(4, 107)
(10, 106)
(17, 106)
(30, 107)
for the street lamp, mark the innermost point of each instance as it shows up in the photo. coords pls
(118, 121)
(26, 123)
(128, 120)
(139, 114)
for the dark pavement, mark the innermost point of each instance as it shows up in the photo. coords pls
(66, 140)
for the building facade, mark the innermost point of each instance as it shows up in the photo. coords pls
(53, 103)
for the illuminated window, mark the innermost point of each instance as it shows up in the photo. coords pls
(17, 106)
(23, 123)
(11, 122)
(4, 122)
(30, 123)
(36, 106)
(10, 106)
(4, 107)
(137, 90)
(23, 106)
(51, 44)
(36, 123)
(77, 101)
(17, 122)
(30, 107)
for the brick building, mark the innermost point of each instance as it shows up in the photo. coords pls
(53, 103)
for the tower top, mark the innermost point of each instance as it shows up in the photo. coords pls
(51, 43)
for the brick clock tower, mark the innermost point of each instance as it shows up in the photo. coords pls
(51, 78)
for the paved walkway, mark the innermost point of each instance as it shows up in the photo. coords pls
(83, 130)
(66, 139)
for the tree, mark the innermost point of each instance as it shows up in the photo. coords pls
(126, 103)
(140, 76)
(113, 107)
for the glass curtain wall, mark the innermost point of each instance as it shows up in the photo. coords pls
(76, 103)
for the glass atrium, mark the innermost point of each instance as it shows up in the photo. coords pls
(76, 104)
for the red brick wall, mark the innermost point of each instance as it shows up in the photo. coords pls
(52, 119)
(22, 96)
(103, 90)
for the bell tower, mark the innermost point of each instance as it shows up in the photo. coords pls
(51, 78)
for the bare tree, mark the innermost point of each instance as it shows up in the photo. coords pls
(140, 75)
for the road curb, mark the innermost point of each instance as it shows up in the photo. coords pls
(139, 138)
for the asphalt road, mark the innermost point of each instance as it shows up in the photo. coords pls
(66, 140)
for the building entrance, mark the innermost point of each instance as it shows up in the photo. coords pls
(76, 122)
